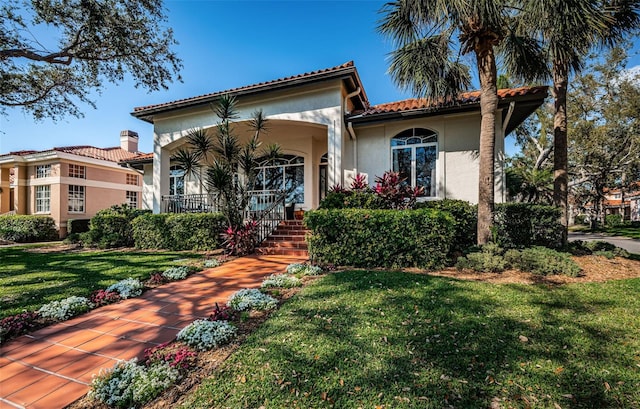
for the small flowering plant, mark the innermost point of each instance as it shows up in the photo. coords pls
(103, 297)
(18, 324)
(251, 299)
(224, 313)
(128, 384)
(211, 263)
(157, 279)
(281, 281)
(176, 355)
(176, 273)
(64, 309)
(127, 288)
(303, 269)
(205, 334)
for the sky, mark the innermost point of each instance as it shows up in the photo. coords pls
(228, 44)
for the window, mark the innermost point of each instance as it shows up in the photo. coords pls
(43, 199)
(43, 171)
(285, 173)
(414, 153)
(176, 181)
(132, 179)
(77, 171)
(132, 199)
(76, 199)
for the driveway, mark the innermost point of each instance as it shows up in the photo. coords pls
(631, 245)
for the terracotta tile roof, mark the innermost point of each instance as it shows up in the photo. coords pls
(143, 157)
(466, 98)
(253, 87)
(115, 154)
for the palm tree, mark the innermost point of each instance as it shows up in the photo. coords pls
(426, 63)
(568, 30)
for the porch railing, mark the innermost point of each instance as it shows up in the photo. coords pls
(266, 207)
(194, 203)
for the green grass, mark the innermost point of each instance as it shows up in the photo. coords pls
(28, 280)
(625, 231)
(397, 340)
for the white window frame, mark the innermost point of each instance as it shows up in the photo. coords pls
(176, 174)
(132, 195)
(42, 198)
(77, 171)
(280, 164)
(43, 171)
(424, 136)
(76, 204)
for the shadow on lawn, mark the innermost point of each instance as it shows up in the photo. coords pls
(403, 340)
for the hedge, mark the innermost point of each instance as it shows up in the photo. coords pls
(465, 220)
(380, 238)
(184, 231)
(27, 228)
(112, 227)
(77, 226)
(526, 225)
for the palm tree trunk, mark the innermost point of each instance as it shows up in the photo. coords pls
(560, 161)
(488, 108)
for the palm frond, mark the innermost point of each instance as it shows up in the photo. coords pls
(219, 177)
(259, 123)
(524, 58)
(188, 161)
(225, 108)
(200, 142)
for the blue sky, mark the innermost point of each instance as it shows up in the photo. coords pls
(227, 44)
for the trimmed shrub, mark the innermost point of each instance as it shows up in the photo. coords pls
(380, 238)
(27, 228)
(150, 231)
(488, 260)
(195, 231)
(613, 220)
(112, 227)
(596, 247)
(465, 220)
(542, 261)
(520, 225)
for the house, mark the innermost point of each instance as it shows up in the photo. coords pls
(69, 182)
(625, 203)
(329, 132)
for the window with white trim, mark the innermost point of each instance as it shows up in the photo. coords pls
(285, 173)
(77, 171)
(413, 155)
(43, 171)
(176, 180)
(76, 199)
(132, 199)
(43, 199)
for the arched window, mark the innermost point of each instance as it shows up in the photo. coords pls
(176, 180)
(284, 173)
(413, 154)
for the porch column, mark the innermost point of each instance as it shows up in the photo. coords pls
(334, 168)
(5, 190)
(161, 159)
(20, 198)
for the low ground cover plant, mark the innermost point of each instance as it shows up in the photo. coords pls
(64, 309)
(206, 334)
(127, 288)
(129, 384)
(103, 297)
(18, 324)
(596, 247)
(251, 299)
(175, 354)
(303, 269)
(211, 263)
(176, 273)
(537, 260)
(281, 281)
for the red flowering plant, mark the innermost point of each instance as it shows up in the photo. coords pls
(18, 324)
(241, 240)
(175, 354)
(104, 297)
(224, 313)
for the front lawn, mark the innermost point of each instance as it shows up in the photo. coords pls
(33, 276)
(624, 231)
(395, 340)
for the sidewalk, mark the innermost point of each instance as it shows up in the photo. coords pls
(52, 367)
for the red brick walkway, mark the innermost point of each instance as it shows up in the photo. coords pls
(52, 367)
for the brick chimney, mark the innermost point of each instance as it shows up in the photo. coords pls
(129, 141)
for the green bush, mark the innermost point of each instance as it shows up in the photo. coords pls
(77, 226)
(195, 231)
(520, 225)
(150, 231)
(596, 247)
(465, 220)
(613, 220)
(580, 219)
(27, 228)
(353, 199)
(185, 231)
(488, 260)
(380, 238)
(542, 261)
(112, 227)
